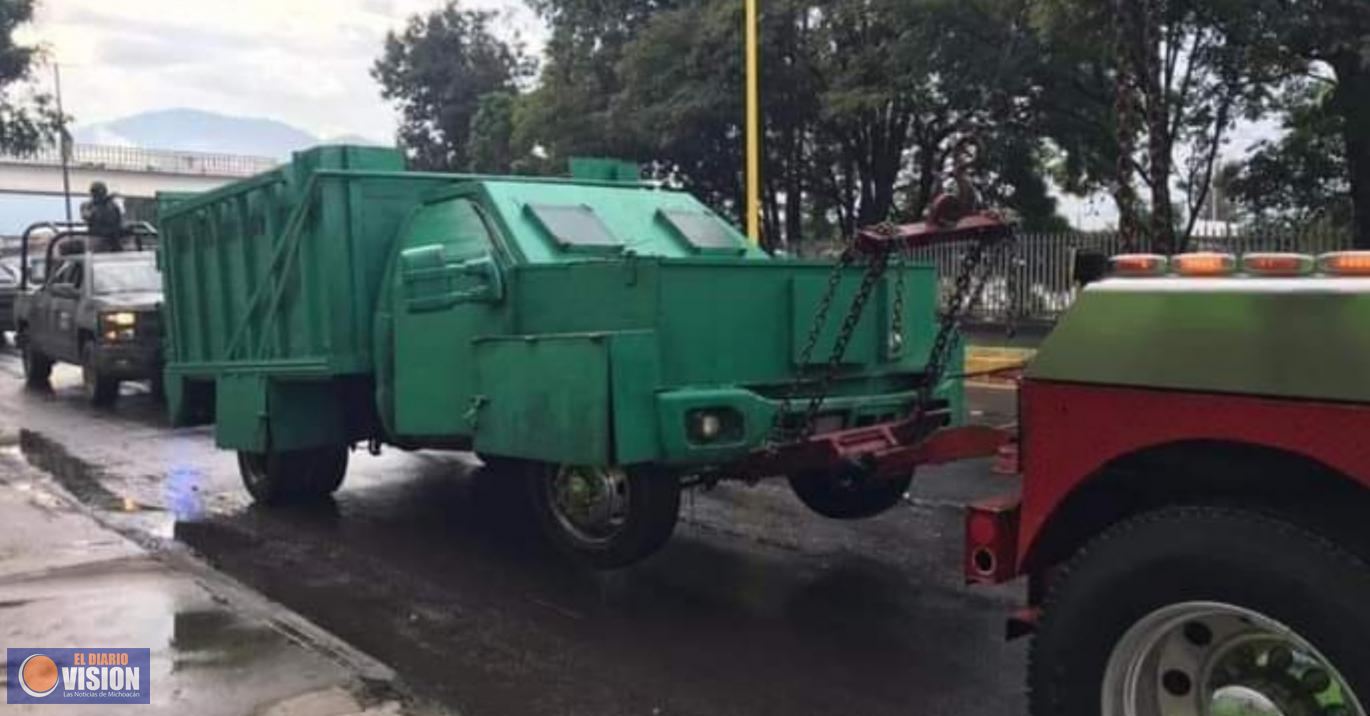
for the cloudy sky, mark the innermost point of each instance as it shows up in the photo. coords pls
(304, 62)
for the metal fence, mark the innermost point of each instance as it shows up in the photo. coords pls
(134, 159)
(1029, 280)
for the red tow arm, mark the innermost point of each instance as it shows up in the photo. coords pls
(885, 450)
(972, 227)
(896, 447)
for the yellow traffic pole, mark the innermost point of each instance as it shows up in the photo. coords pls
(753, 131)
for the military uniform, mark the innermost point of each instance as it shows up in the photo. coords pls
(104, 219)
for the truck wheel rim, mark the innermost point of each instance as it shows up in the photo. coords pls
(590, 503)
(1214, 659)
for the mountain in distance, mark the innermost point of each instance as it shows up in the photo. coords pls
(193, 130)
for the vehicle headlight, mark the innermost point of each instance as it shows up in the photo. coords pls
(118, 326)
(714, 425)
(122, 319)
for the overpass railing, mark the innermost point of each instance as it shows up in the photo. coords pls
(152, 161)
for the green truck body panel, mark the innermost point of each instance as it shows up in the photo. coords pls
(579, 321)
(1290, 337)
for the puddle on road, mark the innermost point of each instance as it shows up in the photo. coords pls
(213, 638)
(206, 659)
(79, 478)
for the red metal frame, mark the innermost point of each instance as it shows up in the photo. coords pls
(974, 227)
(992, 540)
(1071, 431)
(897, 447)
(886, 450)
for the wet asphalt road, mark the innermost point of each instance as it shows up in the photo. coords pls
(755, 607)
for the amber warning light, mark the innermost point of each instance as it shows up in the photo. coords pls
(1204, 264)
(1138, 265)
(1345, 263)
(1277, 264)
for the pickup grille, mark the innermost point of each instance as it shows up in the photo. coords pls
(149, 326)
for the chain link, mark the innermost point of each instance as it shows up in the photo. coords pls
(874, 271)
(896, 344)
(967, 291)
(779, 432)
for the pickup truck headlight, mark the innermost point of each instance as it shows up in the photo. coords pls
(116, 327)
(122, 319)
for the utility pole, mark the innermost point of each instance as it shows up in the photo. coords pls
(63, 141)
(753, 130)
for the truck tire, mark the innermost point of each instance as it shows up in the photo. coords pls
(848, 497)
(294, 477)
(606, 517)
(37, 367)
(1204, 610)
(498, 464)
(102, 391)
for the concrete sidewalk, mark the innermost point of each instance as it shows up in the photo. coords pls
(217, 649)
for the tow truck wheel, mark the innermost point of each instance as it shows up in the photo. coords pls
(1205, 611)
(608, 517)
(100, 390)
(37, 367)
(848, 495)
(297, 476)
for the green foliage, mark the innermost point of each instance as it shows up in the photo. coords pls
(1299, 37)
(1302, 178)
(28, 119)
(865, 106)
(1147, 97)
(872, 107)
(569, 113)
(492, 132)
(439, 72)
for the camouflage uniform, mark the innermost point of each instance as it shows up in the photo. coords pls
(104, 218)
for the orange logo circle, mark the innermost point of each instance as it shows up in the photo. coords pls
(38, 675)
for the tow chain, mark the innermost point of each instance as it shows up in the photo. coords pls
(969, 285)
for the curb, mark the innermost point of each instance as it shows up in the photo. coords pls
(53, 458)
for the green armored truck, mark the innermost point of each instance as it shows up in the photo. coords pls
(603, 341)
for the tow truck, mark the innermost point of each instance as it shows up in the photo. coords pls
(1191, 522)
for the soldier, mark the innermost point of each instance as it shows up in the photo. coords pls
(103, 218)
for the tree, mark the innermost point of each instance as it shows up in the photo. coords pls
(864, 106)
(681, 105)
(1168, 76)
(680, 101)
(491, 134)
(438, 71)
(1303, 36)
(28, 119)
(1302, 178)
(569, 113)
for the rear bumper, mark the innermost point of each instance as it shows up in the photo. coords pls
(132, 361)
(991, 555)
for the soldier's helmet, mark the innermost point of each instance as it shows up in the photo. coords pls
(99, 190)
